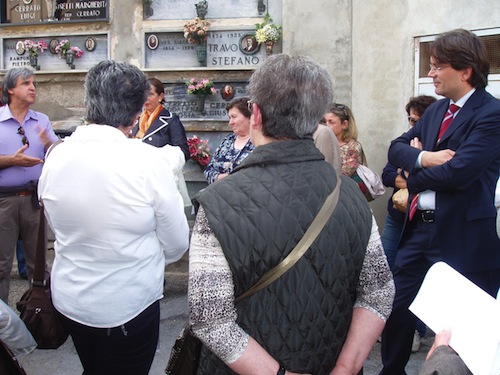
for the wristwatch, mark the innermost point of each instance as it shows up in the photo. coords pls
(281, 370)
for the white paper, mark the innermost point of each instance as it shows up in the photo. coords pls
(448, 300)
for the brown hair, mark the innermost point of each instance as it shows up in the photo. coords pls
(462, 49)
(419, 104)
(158, 87)
(240, 104)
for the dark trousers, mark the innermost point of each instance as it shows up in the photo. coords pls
(126, 350)
(416, 254)
(418, 251)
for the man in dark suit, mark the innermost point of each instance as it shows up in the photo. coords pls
(453, 179)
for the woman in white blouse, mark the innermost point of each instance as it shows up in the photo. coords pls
(118, 218)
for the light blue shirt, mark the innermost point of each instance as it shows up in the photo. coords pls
(11, 141)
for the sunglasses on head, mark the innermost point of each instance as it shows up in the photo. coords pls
(342, 108)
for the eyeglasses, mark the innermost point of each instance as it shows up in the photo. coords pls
(343, 109)
(437, 68)
(20, 131)
(412, 120)
(250, 105)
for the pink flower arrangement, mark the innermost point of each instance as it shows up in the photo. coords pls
(64, 46)
(199, 150)
(195, 31)
(202, 86)
(33, 47)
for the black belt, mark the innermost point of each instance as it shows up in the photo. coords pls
(425, 216)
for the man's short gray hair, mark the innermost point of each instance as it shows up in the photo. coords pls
(10, 80)
(293, 94)
(114, 93)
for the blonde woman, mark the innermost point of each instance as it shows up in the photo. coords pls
(341, 120)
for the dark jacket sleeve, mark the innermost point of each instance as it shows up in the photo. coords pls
(389, 175)
(178, 136)
(444, 361)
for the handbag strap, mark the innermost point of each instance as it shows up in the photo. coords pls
(41, 248)
(302, 246)
(41, 243)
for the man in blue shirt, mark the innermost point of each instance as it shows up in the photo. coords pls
(25, 136)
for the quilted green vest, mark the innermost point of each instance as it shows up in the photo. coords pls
(258, 214)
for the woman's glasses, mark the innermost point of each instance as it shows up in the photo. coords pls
(412, 120)
(20, 131)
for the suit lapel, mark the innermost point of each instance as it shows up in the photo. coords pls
(464, 114)
(159, 123)
(433, 129)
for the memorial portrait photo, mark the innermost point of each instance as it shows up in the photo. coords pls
(20, 48)
(152, 41)
(248, 44)
(227, 92)
(52, 45)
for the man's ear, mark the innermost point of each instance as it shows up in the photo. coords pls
(466, 74)
(256, 120)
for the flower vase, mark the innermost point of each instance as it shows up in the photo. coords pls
(269, 47)
(201, 54)
(70, 58)
(34, 62)
(201, 103)
(51, 6)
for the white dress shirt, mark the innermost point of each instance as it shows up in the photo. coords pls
(118, 218)
(497, 205)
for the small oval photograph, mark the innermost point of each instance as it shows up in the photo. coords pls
(248, 44)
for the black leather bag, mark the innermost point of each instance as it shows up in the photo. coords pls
(35, 306)
(8, 362)
(185, 354)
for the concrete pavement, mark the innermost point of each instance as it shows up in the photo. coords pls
(64, 360)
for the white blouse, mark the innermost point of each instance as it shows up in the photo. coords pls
(117, 217)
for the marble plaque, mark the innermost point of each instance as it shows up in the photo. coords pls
(94, 47)
(19, 11)
(168, 50)
(175, 9)
(229, 49)
(225, 49)
(78, 10)
(27, 11)
(187, 106)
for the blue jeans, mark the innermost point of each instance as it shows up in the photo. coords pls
(21, 260)
(390, 239)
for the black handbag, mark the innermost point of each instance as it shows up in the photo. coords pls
(35, 306)
(185, 354)
(9, 365)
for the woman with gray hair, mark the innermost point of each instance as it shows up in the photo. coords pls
(118, 219)
(325, 313)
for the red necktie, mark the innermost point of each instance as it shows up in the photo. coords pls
(448, 118)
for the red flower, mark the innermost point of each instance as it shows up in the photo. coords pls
(199, 150)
